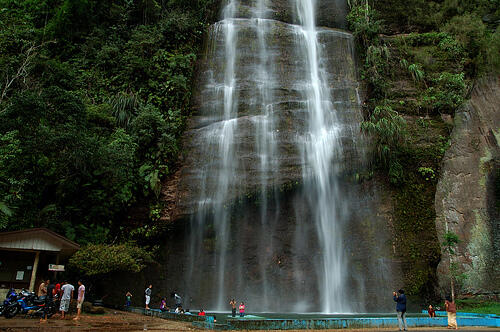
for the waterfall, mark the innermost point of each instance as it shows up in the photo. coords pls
(274, 132)
(321, 148)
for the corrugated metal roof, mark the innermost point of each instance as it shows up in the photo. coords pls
(36, 239)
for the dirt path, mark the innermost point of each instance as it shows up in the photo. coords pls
(110, 321)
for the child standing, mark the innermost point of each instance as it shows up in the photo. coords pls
(128, 298)
(242, 309)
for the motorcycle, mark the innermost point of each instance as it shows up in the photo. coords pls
(12, 307)
(10, 298)
(31, 305)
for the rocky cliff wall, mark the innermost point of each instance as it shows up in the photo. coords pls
(467, 201)
(282, 250)
(288, 106)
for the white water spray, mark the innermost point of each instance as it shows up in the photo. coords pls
(241, 251)
(321, 146)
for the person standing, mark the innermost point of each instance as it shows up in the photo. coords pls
(451, 311)
(42, 289)
(233, 307)
(67, 295)
(128, 297)
(178, 300)
(81, 297)
(400, 299)
(147, 293)
(49, 301)
(57, 290)
(242, 309)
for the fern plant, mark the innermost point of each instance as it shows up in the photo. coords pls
(388, 130)
(125, 107)
(416, 72)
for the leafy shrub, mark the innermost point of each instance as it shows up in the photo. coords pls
(416, 72)
(447, 93)
(422, 39)
(363, 23)
(451, 47)
(492, 58)
(427, 172)
(99, 259)
(396, 172)
(387, 128)
(101, 115)
(469, 30)
(125, 107)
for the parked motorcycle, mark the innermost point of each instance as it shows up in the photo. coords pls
(12, 307)
(31, 305)
(10, 298)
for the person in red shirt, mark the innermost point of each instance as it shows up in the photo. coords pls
(431, 311)
(201, 313)
(242, 309)
(57, 289)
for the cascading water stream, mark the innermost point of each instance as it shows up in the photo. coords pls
(277, 104)
(320, 147)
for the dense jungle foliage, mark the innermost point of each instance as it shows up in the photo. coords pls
(94, 96)
(419, 60)
(93, 99)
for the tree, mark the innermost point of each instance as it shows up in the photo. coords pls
(363, 22)
(449, 246)
(100, 259)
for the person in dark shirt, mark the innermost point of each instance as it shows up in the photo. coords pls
(451, 311)
(233, 307)
(49, 299)
(400, 299)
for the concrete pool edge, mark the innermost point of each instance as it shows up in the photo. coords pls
(208, 322)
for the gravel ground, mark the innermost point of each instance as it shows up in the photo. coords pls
(125, 321)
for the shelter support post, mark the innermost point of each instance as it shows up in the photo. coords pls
(33, 273)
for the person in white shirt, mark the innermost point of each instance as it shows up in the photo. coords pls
(81, 297)
(147, 293)
(67, 291)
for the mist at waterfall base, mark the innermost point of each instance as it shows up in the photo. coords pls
(278, 221)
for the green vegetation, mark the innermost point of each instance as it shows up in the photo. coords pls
(478, 305)
(100, 259)
(93, 99)
(449, 245)
(418, 61)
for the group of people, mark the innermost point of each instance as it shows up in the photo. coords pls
(178, 303)
(400, 299)
(62, 293)
(163, 303)
(233, 308)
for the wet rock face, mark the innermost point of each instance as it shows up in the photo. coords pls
(285, 87)
(266, 205)
(467, 197)
(329, 13)
(288, 259)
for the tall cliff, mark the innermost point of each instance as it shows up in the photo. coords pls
(468, 193)
(266, 199)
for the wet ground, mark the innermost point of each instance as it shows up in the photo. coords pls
(125, 321)
(110, 321)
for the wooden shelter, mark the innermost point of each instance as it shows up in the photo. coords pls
(25, 256)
